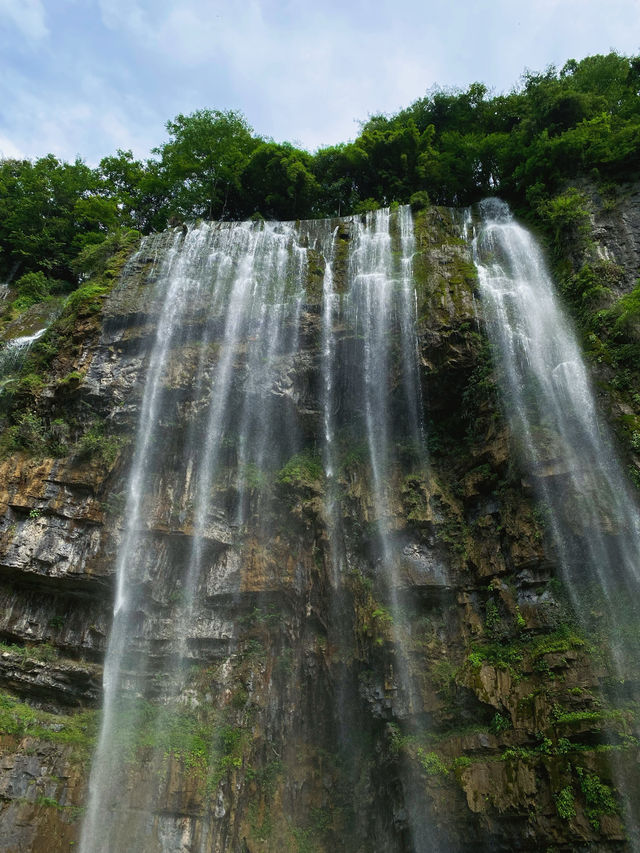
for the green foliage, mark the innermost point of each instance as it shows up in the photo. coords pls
(32, 287)
(48, 802)
(21, 720)
(97, 445)
(565, 803)
(598, 797)
(29, 434)
(266, 776)
(86, 300)
(49, 210)
(415, 498)
(520, 753)
(449, 147)
(431, 763)
(353, 455)
(96, 259)
(562, 640)
(133, 186)
(480, 393)
(443, 675)
(270, 616)
(492, 617)
(502, 656)
(206, 744)
(278, 180)
(499, 723)
(303, 469)
(374, 620)
(254, 478)
(510, 654)
(567, 216)
(73, 378)
(30, 385)
(419, 200)
(611, 328)
(40, 652)
(626, 312)
(201, 165)
(590, 289)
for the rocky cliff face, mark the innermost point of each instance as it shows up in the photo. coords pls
(300, 732)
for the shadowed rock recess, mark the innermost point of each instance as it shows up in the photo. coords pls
(305, 547)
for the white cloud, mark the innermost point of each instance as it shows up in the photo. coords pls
(27, 15)
(90, 121)
(9, 150)
(298, 71)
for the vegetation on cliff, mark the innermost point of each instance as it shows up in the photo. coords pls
(520, 720)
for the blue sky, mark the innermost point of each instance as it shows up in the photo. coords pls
(85, 77)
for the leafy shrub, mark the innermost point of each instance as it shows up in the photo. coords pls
(431, 763)
(567, 217)
(420, 200)
(30, 384)
(598, 797)
(97, 445)
(627, 310)
(28, 433)
(303, 469)
(565, 803)
(21, 720)
(94, 258)
(499, 723)
(32, 287)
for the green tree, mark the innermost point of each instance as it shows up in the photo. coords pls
(49, 210)
(278, 182)
(135, 187)
(200, 168)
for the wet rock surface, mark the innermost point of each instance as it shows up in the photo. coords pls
(316, 741)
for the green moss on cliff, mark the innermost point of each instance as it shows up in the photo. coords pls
(77, 729)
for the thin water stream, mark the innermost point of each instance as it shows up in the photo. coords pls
(562, 439)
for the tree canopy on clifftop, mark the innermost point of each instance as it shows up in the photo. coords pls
(451, 146)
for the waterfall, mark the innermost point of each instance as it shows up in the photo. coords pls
(230, 293)
(238, 360)
(14, 353)
(269, 578)
(584, 497)
(380, 371)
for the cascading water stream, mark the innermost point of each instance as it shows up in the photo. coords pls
(107, 761)
(243, 284)
(14, 352)
(276, 300)
(328, 356)
(562, 440)
(220, 414)
(380, 308)
(409, 340)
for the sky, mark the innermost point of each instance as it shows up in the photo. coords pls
(86, 77)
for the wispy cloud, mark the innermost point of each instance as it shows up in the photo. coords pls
(28, 16)
(89, 121)
(299, 71)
